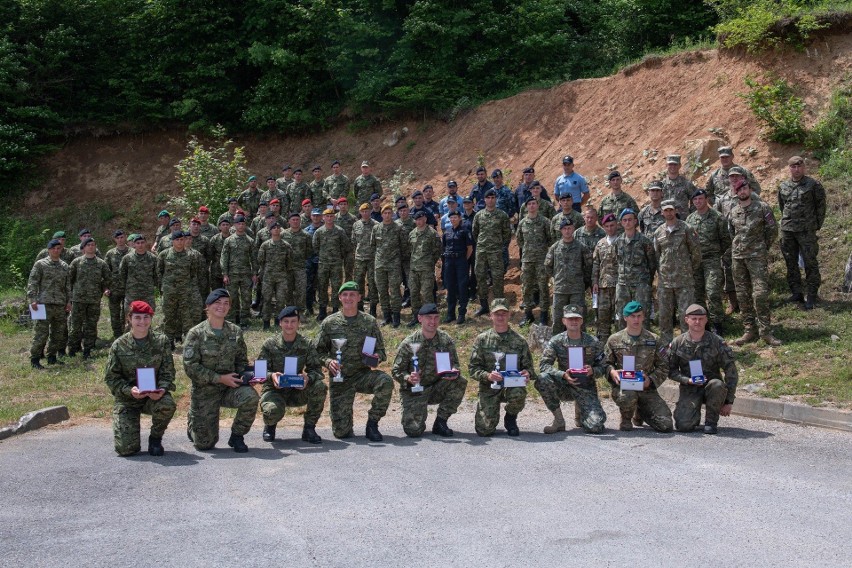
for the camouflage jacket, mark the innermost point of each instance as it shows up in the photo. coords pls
(217, 243)
(275, 349)
(426, 361)
(680, 190)
(301, 245)
(336, 186)
(554, 358)
(237, 258)
(650, 220)
(89, 277)
(715, 356)
(317, 194)
(178, 271)
(345, 222)
(362, 231)
(126, 355)
(138, 275)
(281, 196)
(719, 184)
(49, 282)
(678, 255)
(207, 354)
(209, 230)
(615, 204)
(570, 264)
(753, 229)
(556, 222)
(605, 264)
(365, 186)
(545, 209)
(249, 202)
(424, 248)
(802, 204)
(354, 330)
(637, 262)
(296, 193)
(482, 360)
(650, 355)
(491, 230)
(113, 259)
(712, 231)
(589, 239)
(274, 260)
(390, 244)
(331, 245)
(534, 238)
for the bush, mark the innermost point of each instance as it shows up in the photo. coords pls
(778, 109)
(764, 24)
(829, 139)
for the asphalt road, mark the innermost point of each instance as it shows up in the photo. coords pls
(758, 494)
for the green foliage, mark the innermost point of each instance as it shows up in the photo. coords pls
(831, 137)
(209, 175)
(778, 109)
(20, 240)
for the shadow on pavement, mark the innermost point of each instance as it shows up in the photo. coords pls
(258, 453)
(171, 458)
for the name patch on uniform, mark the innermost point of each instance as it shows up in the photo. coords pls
(650, 343)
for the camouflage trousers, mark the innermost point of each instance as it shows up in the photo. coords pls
(125, 421)
(752, 278)
(52, 332)
(240, 291)
(348, 266)
(116, 314)
(606, 312)
(555, 389)
(84, 325)
(342, 397)
(728, 270)
(203, 283)
(447, 394)
(668, 299)
(488, 406)
(365, 272)
(534, 279)
(216, 283)
(709, 282)
(687, 413)
(422, 284)
(274, 288)
(559, 302)
(180, 311)
(329, 273)
(274, 403)
(489, 262)
(297, 285)
(652, 408)
(205, 402)
(625, 294)
(806, 244)
(388, 281)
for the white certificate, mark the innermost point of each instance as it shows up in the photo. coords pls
(594, 300)
(629, 363)
(575, 358)
(369, 345)
(511, 362)
(260, 369)
(442, 362)
(146, 379)
(39, 313)
(291, 366)
(695, 368)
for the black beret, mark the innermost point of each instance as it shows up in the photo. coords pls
(452, 183)
(294, 214)
(497, 173)
(535, 183)
(231, 200)
(297, 171)
(417, 193)
(427, 186)
(375, 196)
(454, 214)
(613, 174)
(215, 295)
(239, 219)
(420, 214)
(288, 312)
(530, 198)
(274, 226)
(175, 221)
(270, 178)
(490, 192)
(263, 202)
(317, 168)
(428, 310)
(529, 170)
(269, 214)
(480, 169)
(82, 232)
(177, 235)
(53, 243)
(117, 233)
(697, 193)
(467, 200)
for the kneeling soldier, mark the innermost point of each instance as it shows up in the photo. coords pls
(445, 389)
(275, 399)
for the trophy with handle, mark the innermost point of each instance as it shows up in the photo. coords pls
(498, 356)
(415, 347)
(339, 343)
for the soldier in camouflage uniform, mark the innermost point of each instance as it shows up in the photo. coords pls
(207, 229)
(77, 250)
(345, 220)
(366, 184)
(230, 213)
(214, 355)
(360, 375)
(678, 257)
(677, 187)
(49, 284)
(545, 207)
(163, 220)
(202, 246)
(697, 344)
(491, 231)
(65, 255)
(316, 189)
(391, 245)
(178, 274)
(312, 263)
(274, 262)
(570, 265)
(365, 256)
(137, 349)
(651, 216)
(273, 192)
(406, 223)
(116, 294)
(239, 271)
(275, 399)
(500, 338)
(637, 264)
(137, 273)
(332, 245)
(166, 240)
(617, 201)
(336, 185)
(249, 199)
(718, 183)
(301, 249)
(753, 230)
(650, 356)
(305, 213)
(217, 243)
(424, 247)
(802, 202)
(713, 239)
(258, 223)
(446, 390)
(534, 238)
(605, 277)
(558, 382)
(286, 178)
(90, 279)
(298, 191)
(566, 210)
(725, 204)
(590, 233)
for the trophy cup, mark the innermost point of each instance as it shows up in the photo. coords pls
(339, 343)
(415, 347)
(498, 356)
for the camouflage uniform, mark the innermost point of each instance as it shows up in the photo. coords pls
(296, 193)
(724, 205)
(802, 206)
(605, 275)
(317, 194)
(545, 209)
(237, 263)
(162, 232)
(615, 204)
(346, 222)
(589, 239)
(482, 362)
(274, 262)
(336, 186)
(650, 220)
(714, 355)
(249, 201)
(50, 284)
(491, 231)
(207, 354)
(678, 257)
(391, 245)
(209, 230)
(283, 183)
(64, 256)
(365, 256)
(357, 377)
(680, 190)
(637, 265)
(332, 246)
(651, 360)
(217, 243)
(76, 251)
(366, 186)
(407, 225)
(273, 401)
(534, 238)
(125, 356)
(554, 387)
(570, 265)
(446, 393)
(202, 246)
(424, 252)
(714, 239)
(302, 249)
(89, 277)
(281, 196)
(116, 292)
(718, 183)
(556, 223)
(178, 273)
(138, 277)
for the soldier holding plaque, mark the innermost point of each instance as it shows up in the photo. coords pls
(427, 369)
(571, 362)
(695, 359)
(296, 377)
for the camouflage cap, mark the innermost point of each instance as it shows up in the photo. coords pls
(499, 305)
(668, 204)
(632, 308)
(736, 171)
(349, 286)
(726, 151)
(365, 164)
(695, 310)
(656, 184)
(673, 159)
(572, 311)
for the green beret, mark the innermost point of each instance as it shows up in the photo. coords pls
(631, 308)
(346, 286)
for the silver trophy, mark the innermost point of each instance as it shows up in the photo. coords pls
(339, 343)
(498, 356)
(415, 347)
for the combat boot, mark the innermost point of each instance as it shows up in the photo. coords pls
(578, 417)
(747, 337)
(460, 320)
(87, 353)
(796, 297)
(710, 428)
(395, 320)
(483, 308)
(309, 434)
(388, 319)
(528, 318)
(733, 303)
(372, 432)
(558, 424)
(51, 360)
(322, 313)
(544, 318)
(450, 317)
(155, 446)
(440, 427)
(266, 325)
(237, 442)
(626, 424)
(373, 310)
(510, 422)
(269, 433)
(770, 340)
(36, 363)
(637, 419)
(810, 301)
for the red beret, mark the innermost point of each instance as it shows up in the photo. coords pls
(203, 209)
(306, 202)
(140, 307)
(274, 201)
(342, 200)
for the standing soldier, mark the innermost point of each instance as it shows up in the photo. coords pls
(116, 293)
(178, 274)
(305, 214)
(90, 279)
(725, 204)
(445, 389)
(366, 184)
(286, 178)
(468, 214)
(336, 185)
(500, 338)
(298, 191)
(590, 233)
(480, 188)
(651, 216)
(166, 241)
(566, 211)
(637, 264)
(312, 263)
(545, 207)
(274, 262)
(316, 189)
(141, 348)
(230, 213)
(276, 398)
(533, 236)
(332, 246)
(406, 223)
(217, 243)
(457, 243)
(617, 200)
(214, 356)
(802, 202)
(77, 250)
(65, 255)
(558, 382)
(714, 239)
(207, 229)
(424, 247)
(163, 220)
(365, 257)
(249, 199)
(391, 245)
(301, 248)
(272, 193)
(491, 231)
(359, 373)
(573, 183)
(50, 284)
(677, 187)
(345, 220)
(718, 182)
(239, 272)
(202, 246)
(650, 358)
(138, 273)
(605, 277)
(258, 222)
(753, 230)
(570, 265)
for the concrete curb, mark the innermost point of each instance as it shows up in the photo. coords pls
(36, 420)
(781, 411)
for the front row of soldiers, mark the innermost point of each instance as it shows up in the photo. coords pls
(426, 367)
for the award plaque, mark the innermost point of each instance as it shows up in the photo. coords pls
(146, 379)
(696, 372)
(512, 377)
(291, 378)
(631, 379)
(444, 366)
(368, 352)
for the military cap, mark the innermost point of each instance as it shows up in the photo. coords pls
(481, 169)
(365, 164)
(631, 308)
(136, 237)
(59, 235)
(452, 183)
(530, 198)
(225, 220)
(174, 221)
(297, 171)
(566, 222)
(231, 200)
(529, 170)
(82, 232)
(467, 200)
(177, 235)
(270, 178)
(346, 286)
(387, 207)
(53, 243)
(673, 159)
(316, 168)
(203, 209)
(697, 193)
(399, 198)
(375, 196)
(239, 219)
(117, 233)
(263, 202)
(269, 214)
(726, 151)
(165, 213)
(427, 186)
(328, 211)
(607, 218)
(252, 178)
(497, 173)
(490, 193)
(294, 214)
(86, 241)
(668, 204)
(419, 214)
(216, 295)
(626, 211)
(535, 183)
(795, 160)
(572, 311)
(566, 195)
(274, 226)
(140, 307)
(402, 206)
(656, 184)
(316, 211)
(417, 193)
(342, 200)
(275, 201)
(364, 207)
(306, 202)
(695, 310)
(568, 160)
(428, 310)
(613, 174)
(288, 312)
(335, 163)
(454, 214)
(736, 171)
(499, 304)
(286, 167)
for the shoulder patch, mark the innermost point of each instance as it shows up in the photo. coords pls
(188, 352)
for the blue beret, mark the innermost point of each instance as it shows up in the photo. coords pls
(215, 295)
(288, 312)
(428, 310)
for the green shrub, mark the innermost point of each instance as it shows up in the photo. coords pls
(778, 109)
(830, 137)
(764, 24)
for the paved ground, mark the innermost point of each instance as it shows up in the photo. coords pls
(759, 494)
